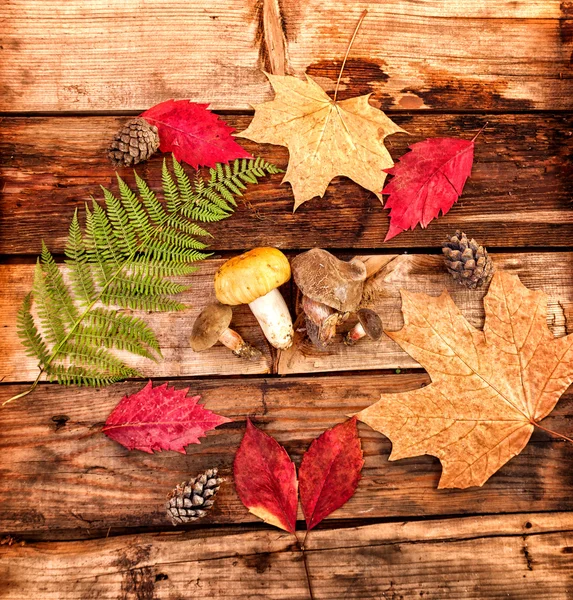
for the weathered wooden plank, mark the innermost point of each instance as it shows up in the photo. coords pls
(550, 272)
(518, 556)
(519, 194)
(172, 331)
(75, 55)
(61, 476)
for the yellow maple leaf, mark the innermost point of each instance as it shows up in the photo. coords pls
(489, 388)
(325, 137)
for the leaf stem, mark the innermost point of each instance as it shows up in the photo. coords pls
(302, 548)
(364, 13)
(555, 433)
(479, 132)
(28, 391)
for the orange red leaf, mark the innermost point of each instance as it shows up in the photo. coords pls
(265, 479)
(330, 471)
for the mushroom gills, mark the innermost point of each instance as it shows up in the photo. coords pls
(274, 318)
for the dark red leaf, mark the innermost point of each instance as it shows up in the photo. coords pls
(427, 180)
(265, 479)
(160, 418)
(193, 133)
(330, 471)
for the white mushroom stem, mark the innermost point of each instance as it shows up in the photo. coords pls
(355, 334)
(232, 340)
(274, 318)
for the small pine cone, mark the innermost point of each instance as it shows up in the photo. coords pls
(191, 500)
(135, 142)
(466, 261)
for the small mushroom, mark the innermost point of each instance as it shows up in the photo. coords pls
(212, 326)
(369, 324)
(253, 278)
(331, 288)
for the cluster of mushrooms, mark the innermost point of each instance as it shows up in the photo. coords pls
(331, 290)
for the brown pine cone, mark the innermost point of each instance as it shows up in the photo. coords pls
(135, 142)
(191, 500)
(467, 261)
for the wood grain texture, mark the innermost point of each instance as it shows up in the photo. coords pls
(518, 556)
(519, 193)
(77, 56)
(550, 272)
(61, 476)
(172, 330)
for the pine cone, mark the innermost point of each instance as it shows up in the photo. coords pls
(191, 500)
(466, 261)
(135, 142)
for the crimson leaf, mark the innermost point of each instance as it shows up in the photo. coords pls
(160, 418)
(330, 471)
(193, 133)
(427, 180)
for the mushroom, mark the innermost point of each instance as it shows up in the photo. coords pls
(331, 288)
(253, 278)
(369, 324)
(212, 326)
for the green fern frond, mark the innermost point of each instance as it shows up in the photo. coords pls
(77, 260)
(28, 332)
(124, 257)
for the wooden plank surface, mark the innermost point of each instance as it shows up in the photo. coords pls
(548, 271)
(519, 193)
(61, 476)
(517, 556)
(78, 56)
(172, 330)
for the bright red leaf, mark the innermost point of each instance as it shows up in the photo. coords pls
(427, 180)
(265, 479)
(193, 133)
(160, 418)
(330, 471)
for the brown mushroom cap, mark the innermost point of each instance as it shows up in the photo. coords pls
(371, 323)
(326, 279)
(209, 326)
(244, 278)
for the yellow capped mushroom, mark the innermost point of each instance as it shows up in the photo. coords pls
(253, 278)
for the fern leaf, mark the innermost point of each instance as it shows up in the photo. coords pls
(59, 295)
(50, 317)
(77, 260)
(28, 332)
(131, 246)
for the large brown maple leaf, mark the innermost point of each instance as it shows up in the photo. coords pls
(325, 138)
(489, 388)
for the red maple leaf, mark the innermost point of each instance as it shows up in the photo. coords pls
(160, 418)
(427, 180)
(265, 479)
(330, 471)
(193, 133)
